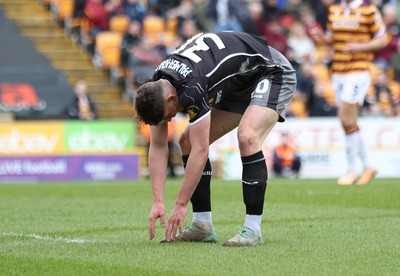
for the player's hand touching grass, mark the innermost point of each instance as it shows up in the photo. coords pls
(157, 212)
(175, 221)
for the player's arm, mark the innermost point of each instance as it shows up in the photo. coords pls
(199, 135)
(158, 158)
(199, 139)
(369, 46)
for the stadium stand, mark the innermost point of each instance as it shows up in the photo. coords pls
(163, 25)
(35, 21)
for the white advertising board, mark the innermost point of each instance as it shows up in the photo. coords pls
(320, 142)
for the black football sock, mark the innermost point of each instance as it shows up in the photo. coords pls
(254, 182)
(201, 198)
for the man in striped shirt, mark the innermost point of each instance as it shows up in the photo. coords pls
(355, 30)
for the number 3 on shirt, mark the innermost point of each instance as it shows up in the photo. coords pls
(199, 45)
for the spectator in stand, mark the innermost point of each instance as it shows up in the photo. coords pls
(131, 38)
(305, 79)
(250, 16)
(286, 161)
(395, 62)
(162, 7)
(291, 58)
(76, 21)
(188, 29)
(380, 102)
(320, 8)
(97, 17)
(271, 10)
(276, 35)
(293, 7)
(182, 13)
(135, 10)
(114, 7)
(312, 27)
(82, 106)
(200, 10)
(225, 16)
(317, 105)
(302, 45)
(143, 60)
(384, 56)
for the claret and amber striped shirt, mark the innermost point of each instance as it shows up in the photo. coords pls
(357, 21)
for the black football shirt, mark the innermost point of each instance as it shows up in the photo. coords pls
(211, 69)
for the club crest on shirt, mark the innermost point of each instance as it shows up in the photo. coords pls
(192, 111)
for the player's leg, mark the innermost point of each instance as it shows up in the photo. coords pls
(348, 115)
(253, 129)
(202, 228)
(269, 102)
(350, 93)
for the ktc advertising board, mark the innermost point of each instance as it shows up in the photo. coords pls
(320, 144)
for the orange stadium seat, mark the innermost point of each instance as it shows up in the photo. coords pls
(394, 87)
(119, 23)
(329, 93)
(63, 9)
(108, 44)
(154, 27)
(375, 69)
(320, 71)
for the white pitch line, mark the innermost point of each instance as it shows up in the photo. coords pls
(46, 238)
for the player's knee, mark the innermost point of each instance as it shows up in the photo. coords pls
(350, 128)
(248, 143)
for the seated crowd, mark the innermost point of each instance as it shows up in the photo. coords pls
(147, 31)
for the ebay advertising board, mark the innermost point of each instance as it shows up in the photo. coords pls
(55, 137)
(68, 150)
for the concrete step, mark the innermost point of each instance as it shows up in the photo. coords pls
(43, 32)
(72, 63)
(84, 72)
(116, 110)
(106, 97)
(54, 45)
(27, 9)
(70, 55)
(75, 66)
(110, 90)
(18, 2)
(32, 6)
(20, 15)
(35, 22)
(40, 29)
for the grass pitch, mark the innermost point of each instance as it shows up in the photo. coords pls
(310, 227)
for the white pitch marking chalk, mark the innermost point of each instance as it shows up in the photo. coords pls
(46, 238)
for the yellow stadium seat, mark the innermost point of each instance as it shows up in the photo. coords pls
(321, 72)
(108, 47)
(63, 8)
(154, 27)
(119, 23)
(374, 69)
(111, 58)
(394, 87)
